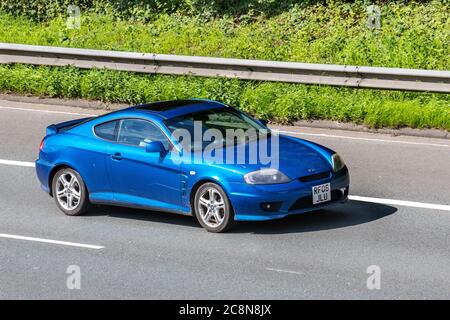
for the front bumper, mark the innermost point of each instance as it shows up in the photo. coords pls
(290, 198)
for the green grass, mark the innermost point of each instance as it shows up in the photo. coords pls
(278, 102)
(416, 35)
(413, 35)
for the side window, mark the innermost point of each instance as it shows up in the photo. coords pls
(140, 132)
(106, 130)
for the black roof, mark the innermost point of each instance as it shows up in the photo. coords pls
(162, 106)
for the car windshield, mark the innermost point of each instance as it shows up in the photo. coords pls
(227, 125)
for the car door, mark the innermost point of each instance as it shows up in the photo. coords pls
(141, 178)
(94, 157)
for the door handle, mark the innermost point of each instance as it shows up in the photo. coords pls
(116, 156)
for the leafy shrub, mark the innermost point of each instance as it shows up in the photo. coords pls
(412, 36)
(242, 10)
(278, 102)
(42, 9)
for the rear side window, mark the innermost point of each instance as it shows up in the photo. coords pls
(138, 133)
(107, 130)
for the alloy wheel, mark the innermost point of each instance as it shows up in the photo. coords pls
(68, 191)
(211, 207)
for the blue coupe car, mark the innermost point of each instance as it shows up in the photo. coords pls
(193, 157)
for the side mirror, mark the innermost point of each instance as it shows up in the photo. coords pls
(155, 146)
(263, 122)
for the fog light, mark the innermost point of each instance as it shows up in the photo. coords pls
(271, 206)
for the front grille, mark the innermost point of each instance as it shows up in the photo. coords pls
(306, 202)
(316, 176)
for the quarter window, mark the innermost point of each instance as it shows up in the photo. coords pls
(106, 130)
(139, 133)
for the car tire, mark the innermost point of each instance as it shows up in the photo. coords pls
(70, 192)
(212, 208)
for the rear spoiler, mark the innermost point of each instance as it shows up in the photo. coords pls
(63, 126)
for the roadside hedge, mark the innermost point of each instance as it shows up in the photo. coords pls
(413, 34)
(241, 10)
(278, 102)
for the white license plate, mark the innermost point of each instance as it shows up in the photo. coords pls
(321, 193)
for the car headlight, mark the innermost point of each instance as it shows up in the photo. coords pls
(266, 176)
(337, 162)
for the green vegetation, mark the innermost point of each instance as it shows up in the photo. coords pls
(413, 35)
(147, 9)
(278, 102)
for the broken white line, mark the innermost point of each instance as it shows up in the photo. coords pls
(64, 243)
(49, 111)
(17, 163)
(402, 203)
(285, 271)
(363, 139)
(280, 131)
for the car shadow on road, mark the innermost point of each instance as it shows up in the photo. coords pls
(349, 214)
(143, 215)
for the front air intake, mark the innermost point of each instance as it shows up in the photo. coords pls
(316, 176)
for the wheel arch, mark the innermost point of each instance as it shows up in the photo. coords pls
(198, 184)
(53, 172)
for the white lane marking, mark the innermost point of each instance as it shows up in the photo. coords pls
(280, 131)
(285, 271)
(64, 243)
(402, 203)
(364, 139)
(49, 111)
(17, 163)
(351, 197)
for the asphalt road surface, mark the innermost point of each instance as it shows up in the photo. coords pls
(398, 221)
